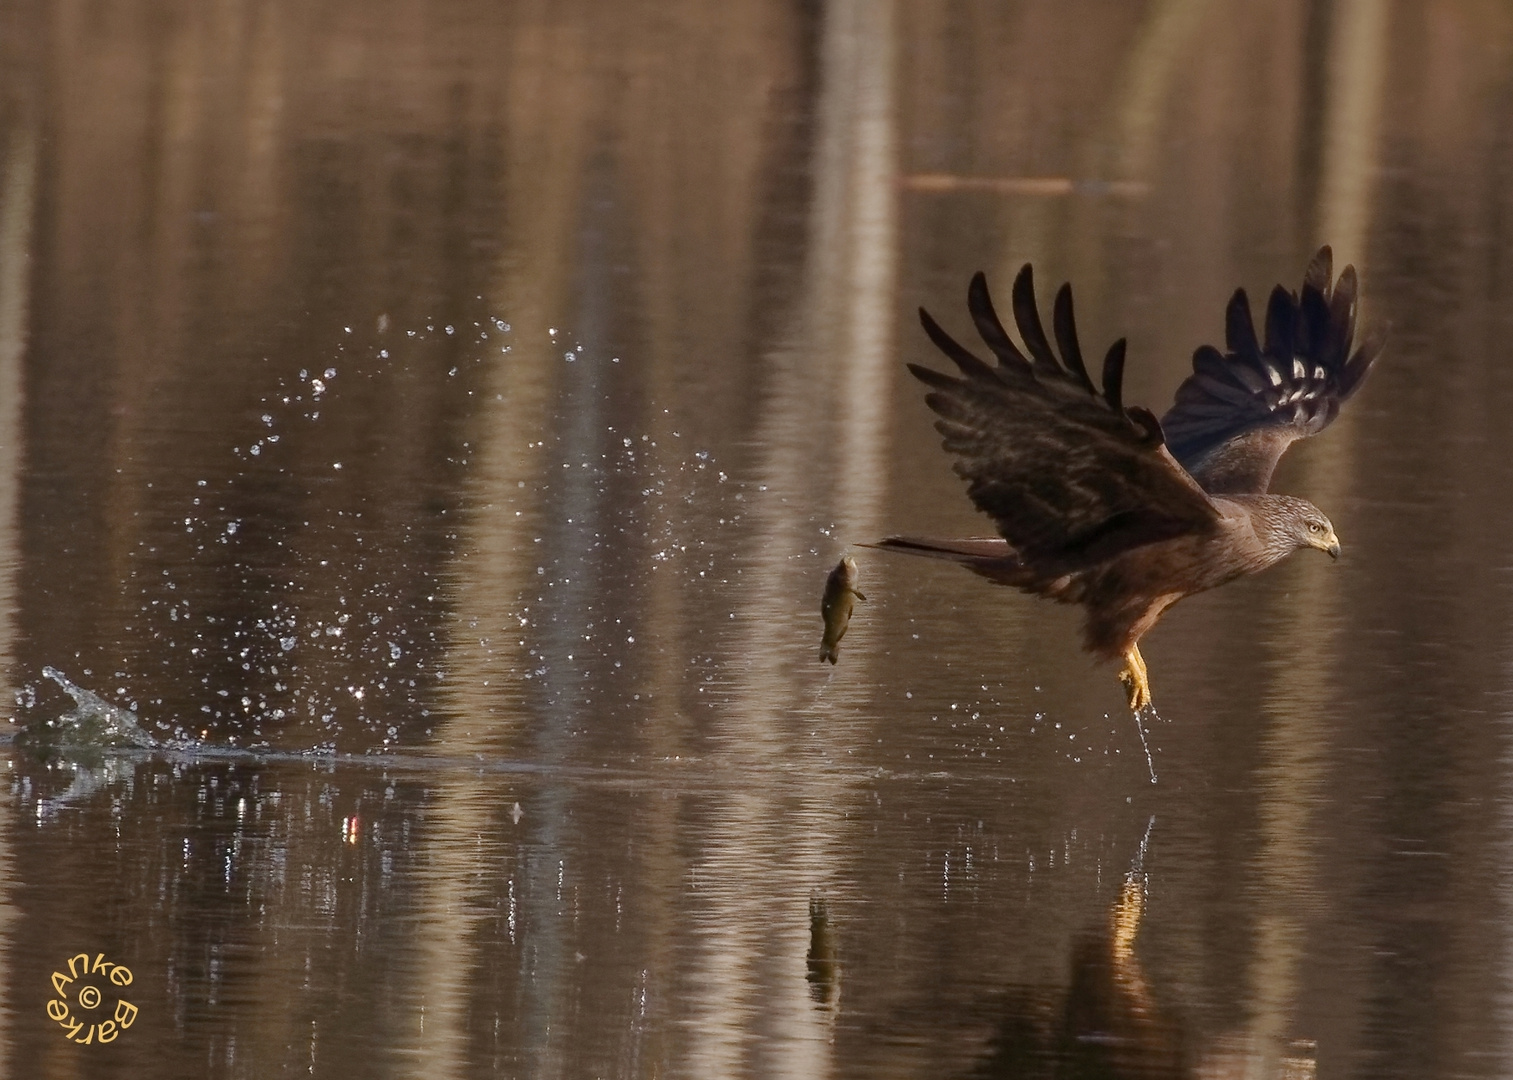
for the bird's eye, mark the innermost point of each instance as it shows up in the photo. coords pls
(1314, 526)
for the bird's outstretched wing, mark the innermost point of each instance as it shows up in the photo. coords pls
(1070, 475)
(1238, 411)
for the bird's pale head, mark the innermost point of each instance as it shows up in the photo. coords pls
(1285, 523)
(1314, 530)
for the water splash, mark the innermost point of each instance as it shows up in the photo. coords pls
(92, 722)
(1149, 763)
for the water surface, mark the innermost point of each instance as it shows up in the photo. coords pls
(435, 424)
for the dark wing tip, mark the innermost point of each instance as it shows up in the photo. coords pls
(1239, 327)
(1064, 325)
(1025, 279)
(1027, 318)
(990, 327)
(1320, 272)
(970, 366)
(978, 297)
(1113, 375)
(1281, 317)
(1347, 280)
(1373, 341)
(930, 377)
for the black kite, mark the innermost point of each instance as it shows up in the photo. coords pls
(1101, 504)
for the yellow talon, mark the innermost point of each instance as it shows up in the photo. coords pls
(1136, 679)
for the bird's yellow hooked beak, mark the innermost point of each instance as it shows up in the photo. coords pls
(1330, 544)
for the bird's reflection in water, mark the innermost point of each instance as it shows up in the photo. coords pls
(1108, 1023)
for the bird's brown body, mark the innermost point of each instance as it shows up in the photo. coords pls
(1126, 595)
(1094, 506)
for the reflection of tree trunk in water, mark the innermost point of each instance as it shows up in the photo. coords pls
(1144, 93)
(1301, 699)
(1127, 144)
(17, 205)
(546, 146)
(17, 188)
(823, 441)
(1356, 78)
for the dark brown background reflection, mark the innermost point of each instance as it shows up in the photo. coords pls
(480, 393)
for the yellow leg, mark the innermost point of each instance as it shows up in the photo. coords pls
(1136, 679)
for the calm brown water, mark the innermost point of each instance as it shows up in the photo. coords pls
(436, 423)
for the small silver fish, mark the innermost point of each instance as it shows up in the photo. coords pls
(841, 596)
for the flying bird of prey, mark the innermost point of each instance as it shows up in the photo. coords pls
(1100, 504)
